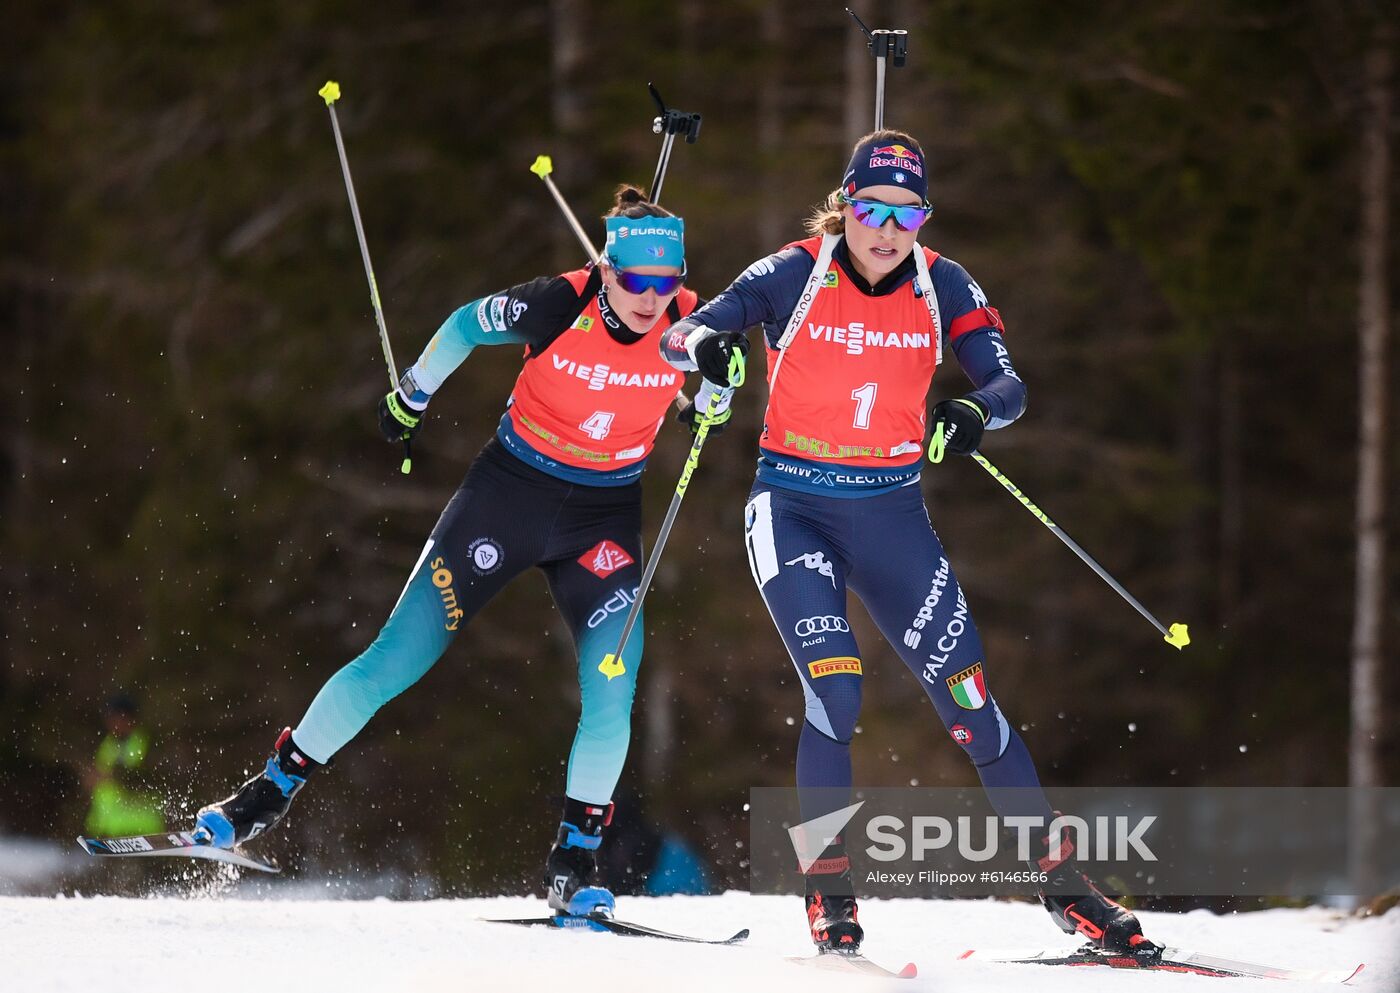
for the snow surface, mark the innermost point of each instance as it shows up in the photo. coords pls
(306, 944)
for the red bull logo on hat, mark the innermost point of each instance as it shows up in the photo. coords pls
(896, 156)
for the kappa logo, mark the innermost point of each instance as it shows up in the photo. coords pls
(604, 559)
(485, 555)
(817, 561)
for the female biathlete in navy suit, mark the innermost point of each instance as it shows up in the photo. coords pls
(558, 487)
(856, 320)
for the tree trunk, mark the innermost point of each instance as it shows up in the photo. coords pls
(569, 108)
(1374, 328)
(771, 221)
(860, 86)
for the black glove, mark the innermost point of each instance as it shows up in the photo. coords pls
(397, 420)
(712, 354)
(962, 420)
(690, 417)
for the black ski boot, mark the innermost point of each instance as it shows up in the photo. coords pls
(1078, 907)
(260, 802)
(573, 861)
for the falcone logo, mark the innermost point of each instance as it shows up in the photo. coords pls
(811, 838)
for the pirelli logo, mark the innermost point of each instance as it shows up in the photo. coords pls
(831, 666)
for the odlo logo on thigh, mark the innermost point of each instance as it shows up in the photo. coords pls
(442, 579)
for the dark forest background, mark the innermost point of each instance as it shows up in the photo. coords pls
(1164, 200)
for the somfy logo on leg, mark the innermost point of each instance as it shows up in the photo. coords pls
(811, 838)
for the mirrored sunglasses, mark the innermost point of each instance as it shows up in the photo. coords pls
(635, 282)
(874, 213)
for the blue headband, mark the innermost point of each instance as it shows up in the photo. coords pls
(645, 241)
(886, 163)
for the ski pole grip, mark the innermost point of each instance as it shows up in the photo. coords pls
(736, 369)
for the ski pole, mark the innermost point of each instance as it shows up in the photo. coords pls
(1178, 636)
(331, 93)
(543, 168)
(612, 664)
(884, 44)
(670, 123)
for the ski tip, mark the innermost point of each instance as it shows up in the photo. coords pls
(744, 936)
(1355, 972)
(967, 954)
(910, 971)
(86, 845)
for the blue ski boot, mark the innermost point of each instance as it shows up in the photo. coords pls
(260, 802)
(573, 862)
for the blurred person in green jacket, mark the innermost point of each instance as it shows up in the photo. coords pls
(120, 806)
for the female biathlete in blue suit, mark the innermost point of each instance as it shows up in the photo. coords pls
(856, 319)
(558, 487)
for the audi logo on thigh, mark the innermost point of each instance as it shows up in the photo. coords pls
(809, 626)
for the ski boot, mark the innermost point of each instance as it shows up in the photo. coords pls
(260, 802)
(573, 862)
(831, 902)
(833, 923)
(1078, 907)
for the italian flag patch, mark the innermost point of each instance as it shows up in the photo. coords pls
(969, 687)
